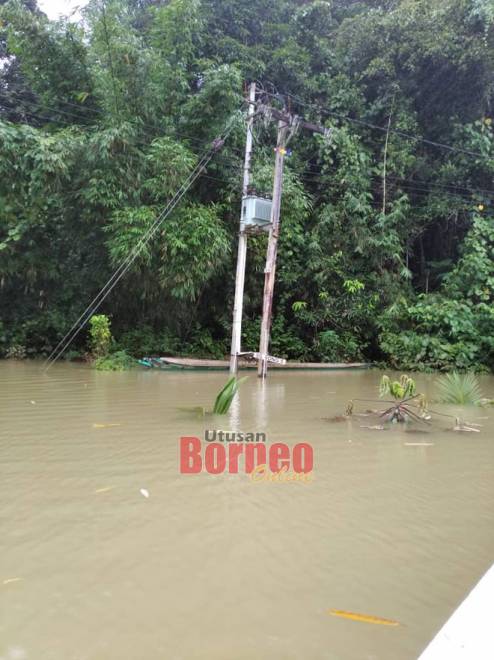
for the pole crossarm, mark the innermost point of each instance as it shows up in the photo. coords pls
(292, 121)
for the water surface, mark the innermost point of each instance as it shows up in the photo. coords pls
(218, 567)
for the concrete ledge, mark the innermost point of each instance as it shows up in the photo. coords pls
(469, 632)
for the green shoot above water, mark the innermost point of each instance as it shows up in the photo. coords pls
(222, 402)
(226, 395)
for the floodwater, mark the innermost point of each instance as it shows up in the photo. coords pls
(394, 524)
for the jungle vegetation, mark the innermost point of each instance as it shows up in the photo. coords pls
(387, 240)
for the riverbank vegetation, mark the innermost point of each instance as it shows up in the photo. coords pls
(387, 241)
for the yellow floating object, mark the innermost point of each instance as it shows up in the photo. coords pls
(10, 580)
(104, 426)
(365, 618)
(104, 490)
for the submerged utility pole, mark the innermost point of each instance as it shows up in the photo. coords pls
(242, 243)
(287, 126)
(270, 269)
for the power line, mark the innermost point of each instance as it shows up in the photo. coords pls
(151, 132)
(408, 188)
(143, 36)
(202, 142)
(238, 172)
(448, 188)
(487, 191)
(130, 142)
(223, 158)
(127, 263)
(362, 122)
(310, 177)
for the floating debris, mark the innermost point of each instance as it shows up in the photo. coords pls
(375, 428)
(144, 492)
(33, 402)
(105, 426)
(463, 428)
(199, 411)
(336, 418)
(104, 490)
(14, 579)
(365, 618)
(14, 653)
(419, 444)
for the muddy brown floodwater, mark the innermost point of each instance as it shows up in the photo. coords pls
(394, 525)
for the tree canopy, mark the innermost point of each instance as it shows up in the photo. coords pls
(387, 239)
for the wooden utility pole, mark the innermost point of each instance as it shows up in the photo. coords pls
(242, 243)
(287, 125)
(270, 269)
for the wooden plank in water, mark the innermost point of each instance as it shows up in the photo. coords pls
(191, 363)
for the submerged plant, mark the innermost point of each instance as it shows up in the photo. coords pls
(460, 389)
(223, 401)
(226, 395)
(403, 391)
(398, 389)
(404, 398)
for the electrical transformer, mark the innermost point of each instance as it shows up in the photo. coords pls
(256, 213)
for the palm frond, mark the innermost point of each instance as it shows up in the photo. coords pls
(460, 389)
(226, 395)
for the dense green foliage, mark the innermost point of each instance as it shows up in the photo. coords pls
(387, 240)
(102, 344)
(100, 335)
(117, 361)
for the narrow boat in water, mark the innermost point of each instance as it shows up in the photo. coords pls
(223, 365)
